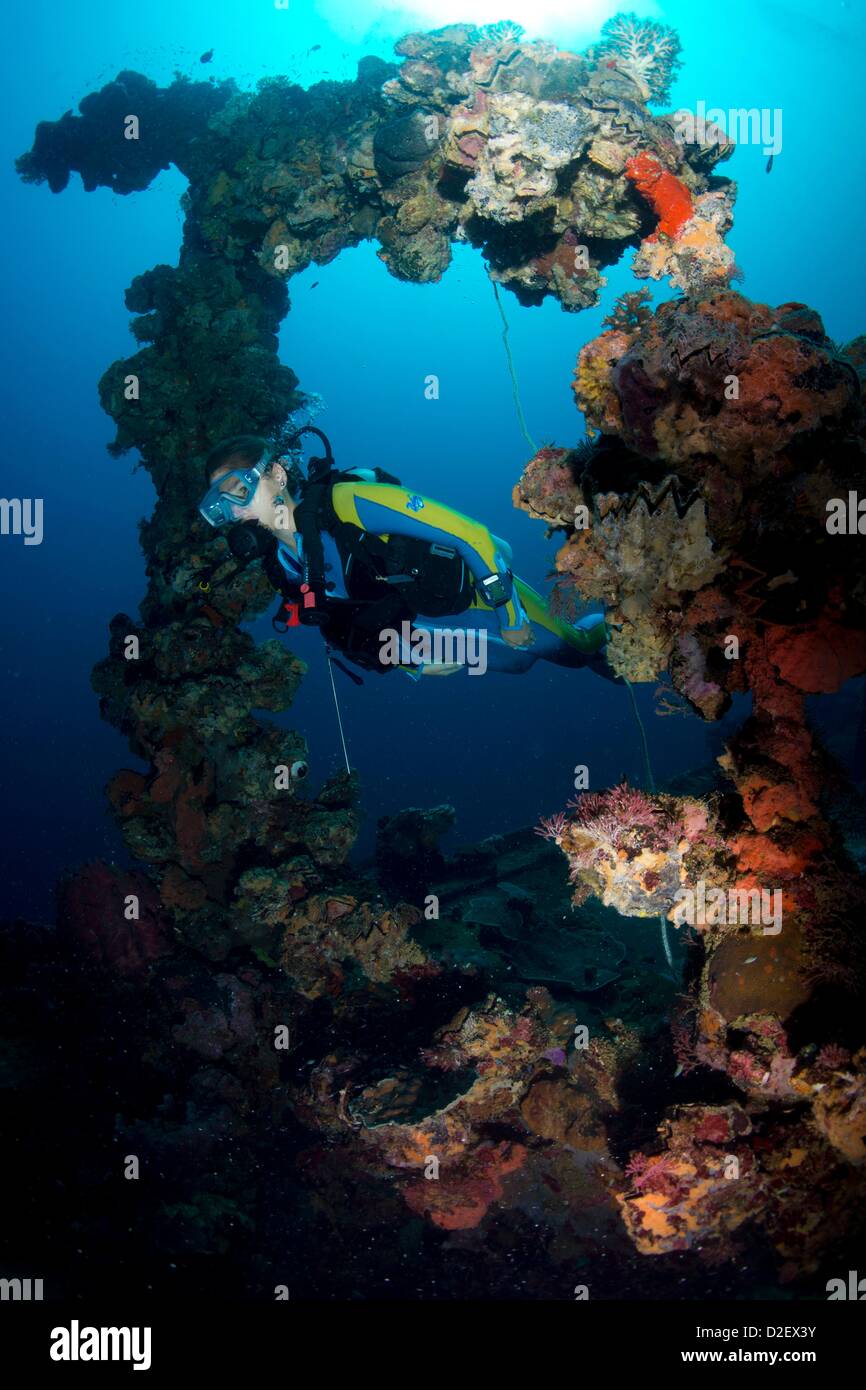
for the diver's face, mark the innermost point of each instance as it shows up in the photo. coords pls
(263, 508)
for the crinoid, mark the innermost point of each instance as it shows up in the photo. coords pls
(670, 702)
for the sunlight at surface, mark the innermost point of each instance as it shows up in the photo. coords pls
(557, 19)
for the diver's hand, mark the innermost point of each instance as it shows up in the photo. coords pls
(522, 636)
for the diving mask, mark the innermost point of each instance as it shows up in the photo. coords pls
(232, 492)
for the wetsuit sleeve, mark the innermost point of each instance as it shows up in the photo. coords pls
(385, 510)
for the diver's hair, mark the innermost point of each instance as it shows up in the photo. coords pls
(247, 448)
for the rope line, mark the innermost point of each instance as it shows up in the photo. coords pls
(511, 372)
(337, 708)
(651, 786)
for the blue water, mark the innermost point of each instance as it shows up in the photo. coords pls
(501, 750)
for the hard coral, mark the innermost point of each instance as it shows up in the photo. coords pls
(630, 310)
(529, 141)
(672, 384)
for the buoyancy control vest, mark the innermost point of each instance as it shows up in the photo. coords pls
(429, 577)
(386, 582)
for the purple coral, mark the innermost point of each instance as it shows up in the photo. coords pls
(552, 827)
(832, 1057)
(648, 51)
(620, 809)
(654, 1173)
(622, 817)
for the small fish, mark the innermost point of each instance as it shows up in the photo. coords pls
(314, 284)
(206, 57)
(315, 48)
(750, 960)
(769, 164)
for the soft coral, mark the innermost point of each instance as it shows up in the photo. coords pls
(645, 49)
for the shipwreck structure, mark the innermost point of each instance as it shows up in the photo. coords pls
(291, 1014)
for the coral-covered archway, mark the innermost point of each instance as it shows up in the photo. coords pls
(724, 427)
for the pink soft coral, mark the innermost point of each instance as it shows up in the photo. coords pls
(654, 1174)
(611, 814)
(552, 827)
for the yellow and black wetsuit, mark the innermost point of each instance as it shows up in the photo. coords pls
(386, 510)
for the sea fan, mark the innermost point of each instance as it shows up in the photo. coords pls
(566, 600)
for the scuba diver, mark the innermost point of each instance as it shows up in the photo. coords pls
(363, 558)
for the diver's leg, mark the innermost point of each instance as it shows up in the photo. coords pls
(567, 644)
(425, 655)
(478, 649)
(562, 652)
(447, 651)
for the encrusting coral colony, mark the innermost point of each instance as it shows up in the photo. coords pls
(725, 1130)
